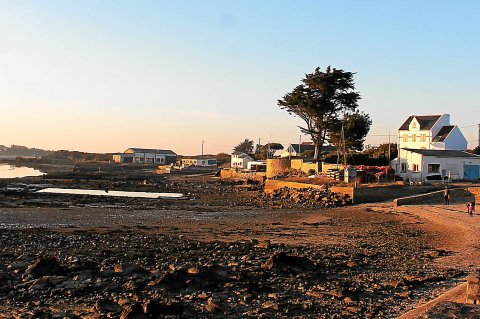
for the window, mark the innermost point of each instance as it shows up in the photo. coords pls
(414, 124)
(415, 167)
(403, 167)
(405, 137)
(414, 138)
(434, 168)
(423, 138)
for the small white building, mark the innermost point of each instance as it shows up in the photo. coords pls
(203, 161)
(240, 160)
(258, 166)
(428, 165)
(145, 156)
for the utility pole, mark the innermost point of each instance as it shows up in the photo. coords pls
(268, 150)
(202, 146)
(389, 144)
(259, 145)
(479, 135)
(299, 145)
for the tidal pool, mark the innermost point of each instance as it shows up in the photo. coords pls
(98, 192)
(12, 171)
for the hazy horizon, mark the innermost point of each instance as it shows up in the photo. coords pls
(104, 76)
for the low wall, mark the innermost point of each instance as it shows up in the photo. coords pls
(381, 194)
(358, 194)
(458, 195)
(276, 166)
(272, 184)
(327, 166)
(299, 164)
(233, 174)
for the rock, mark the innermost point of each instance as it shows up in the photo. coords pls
(106, 305)
(282, 261)
(264, 244)
(134, 311)
(175, 280)
(271, 305)
(45, 266)
(155, 308)
(211, 275)
(130, 269)
(211, 306)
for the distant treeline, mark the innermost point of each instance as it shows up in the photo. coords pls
(76, 156)
(62, 156)
(18, 150)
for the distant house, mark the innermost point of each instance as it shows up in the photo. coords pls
(294, 150)
(240, 160)
(431, 148)
(203, 161)
(145, 156)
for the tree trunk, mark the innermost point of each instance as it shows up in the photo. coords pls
(318, 150)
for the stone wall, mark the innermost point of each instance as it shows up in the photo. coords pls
(459, 195)
(299, 164)
(233, 174)
(358, 194)
(276, 166)
(272, 184)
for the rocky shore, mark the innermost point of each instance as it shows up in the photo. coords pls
(227, 251)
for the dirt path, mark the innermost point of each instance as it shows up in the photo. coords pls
(453, 230)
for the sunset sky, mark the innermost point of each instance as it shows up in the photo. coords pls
(102, 76)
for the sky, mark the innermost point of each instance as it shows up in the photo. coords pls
(103, 76)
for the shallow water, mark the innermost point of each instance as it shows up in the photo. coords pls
(11, 171)
(98, 192)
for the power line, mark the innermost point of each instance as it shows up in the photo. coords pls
(470, 125)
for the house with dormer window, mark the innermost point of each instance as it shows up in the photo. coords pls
(430, 148)
(431, 132)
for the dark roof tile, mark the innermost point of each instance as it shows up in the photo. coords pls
(426, 121)
(443, 133)
(151, 150)
(442, 153)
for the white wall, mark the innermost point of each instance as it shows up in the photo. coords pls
(455, 140)
(441, 122)
(240, 162)
(454, 165)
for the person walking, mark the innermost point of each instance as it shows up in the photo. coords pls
(469, 208)
(446, 195)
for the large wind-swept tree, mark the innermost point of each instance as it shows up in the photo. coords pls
(322, 99)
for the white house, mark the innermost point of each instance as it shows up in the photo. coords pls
(430, 132)
(427, 165)
(240, 160)
(430, 147)
(294, 150)
(135, 155)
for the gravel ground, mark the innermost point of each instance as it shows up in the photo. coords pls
(219, 254)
